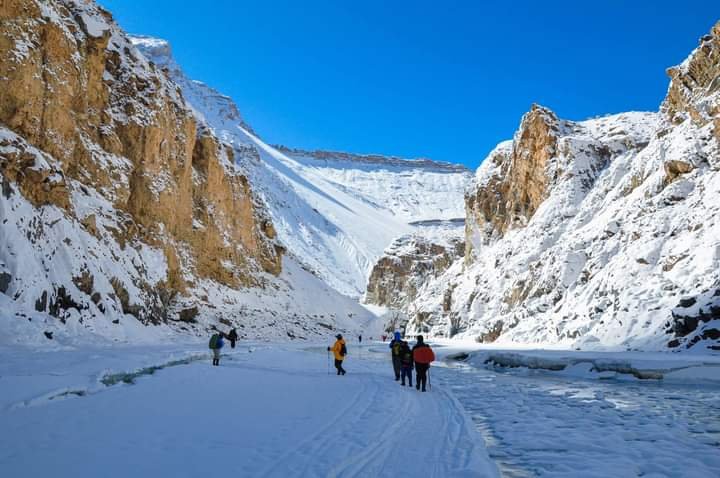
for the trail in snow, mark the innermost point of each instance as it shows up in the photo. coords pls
(267, 411)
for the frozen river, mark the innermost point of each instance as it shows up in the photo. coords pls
(536, 423)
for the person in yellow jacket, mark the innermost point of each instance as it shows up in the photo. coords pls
(340, 351)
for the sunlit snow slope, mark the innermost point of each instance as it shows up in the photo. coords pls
(335, 212)
(596, 234)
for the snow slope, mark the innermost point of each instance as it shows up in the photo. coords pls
(90, 217)
(595, 234)
(603, 262)
(186, 417)
(335, 212)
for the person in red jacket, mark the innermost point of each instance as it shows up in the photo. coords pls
(423, 356)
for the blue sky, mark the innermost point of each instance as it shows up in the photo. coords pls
(446, 80)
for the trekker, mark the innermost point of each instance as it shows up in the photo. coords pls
(406, 364)
(395, 345)
(340, 351)
(216, 343)
(422, 355)
(232, 337)
(359, 339)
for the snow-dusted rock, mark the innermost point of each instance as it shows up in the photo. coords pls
(590, 234)
(411, 260)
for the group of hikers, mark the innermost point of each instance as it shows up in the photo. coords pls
(404, 359)
(217, 341)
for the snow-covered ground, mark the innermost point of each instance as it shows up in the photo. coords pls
(279, 410)
(268, 410)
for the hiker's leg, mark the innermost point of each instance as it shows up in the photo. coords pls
(421, 376)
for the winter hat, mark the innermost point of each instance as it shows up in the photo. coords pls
(338, 336)
(397, 335)
(420, 339)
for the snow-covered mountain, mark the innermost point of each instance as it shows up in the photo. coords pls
(599, 233)
(334, 212)
(133, 195)
(121, 207)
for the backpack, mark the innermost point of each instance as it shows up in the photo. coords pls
(406, 356)
(396, 348)
(423, 355)
(214, 341)
(343, 350)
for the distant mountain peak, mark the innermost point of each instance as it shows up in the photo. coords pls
(379, 159)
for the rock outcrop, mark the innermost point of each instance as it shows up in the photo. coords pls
(594, 233)
(407, 264)
(518, 184)
(99, 139)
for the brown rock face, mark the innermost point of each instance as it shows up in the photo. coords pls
(410, 262)
(694, 90)
(510, 197)
(72, 86)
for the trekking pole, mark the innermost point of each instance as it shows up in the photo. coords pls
(429, 383)
(328, 362)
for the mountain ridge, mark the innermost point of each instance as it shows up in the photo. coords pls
(597, 234)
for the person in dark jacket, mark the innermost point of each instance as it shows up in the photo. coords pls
(232, 337)
(395, 345)
(216, 343)
(423, 356)
(406, 364)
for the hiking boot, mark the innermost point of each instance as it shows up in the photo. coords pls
(417, 386)
(424, 389)
(402, 383)
(410, 384)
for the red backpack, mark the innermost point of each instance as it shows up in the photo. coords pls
(423, 355)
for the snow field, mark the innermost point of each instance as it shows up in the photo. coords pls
(268, 410)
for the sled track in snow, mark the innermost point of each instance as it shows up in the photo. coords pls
(384, 411)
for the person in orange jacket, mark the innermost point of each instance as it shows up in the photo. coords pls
(339, 350)
(423, 355)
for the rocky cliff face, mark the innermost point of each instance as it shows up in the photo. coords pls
(519, 179)
(409, 262)
(116, 199)
(595, 233)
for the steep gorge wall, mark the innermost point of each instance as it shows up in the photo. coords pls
(601, 233)
(87, 121)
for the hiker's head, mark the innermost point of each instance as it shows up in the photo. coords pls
(397, 335)
(420, 339)
(338, 336)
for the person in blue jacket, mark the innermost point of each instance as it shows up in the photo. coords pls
(395, 346)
